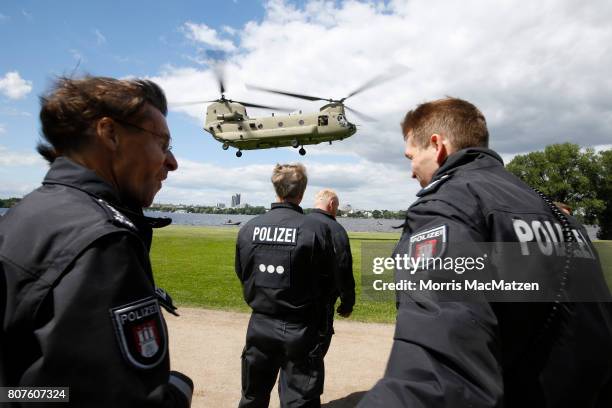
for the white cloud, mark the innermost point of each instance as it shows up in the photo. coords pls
(208, 36)
(100, 38)
(537, 70)
(3, 18)
(2, 129)
(208, 184)
(11, 158)
(13, 86)
(229, 30)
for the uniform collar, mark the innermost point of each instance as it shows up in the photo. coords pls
(291, 206)
(69, 173)
(465, 156)
(480, 156)
(66, 172)
(319, 211)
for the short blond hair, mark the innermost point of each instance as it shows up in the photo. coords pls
(326, 195)
(289, 180)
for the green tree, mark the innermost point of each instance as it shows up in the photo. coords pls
(568, 174)
(604, 192)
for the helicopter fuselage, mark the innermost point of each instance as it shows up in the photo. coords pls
(229, 123)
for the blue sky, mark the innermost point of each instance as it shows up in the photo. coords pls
(539, 72)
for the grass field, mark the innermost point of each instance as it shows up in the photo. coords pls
(196, 266)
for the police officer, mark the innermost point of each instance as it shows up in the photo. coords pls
(552, 352)
(285, 262)
(79, 304)
(326, 208)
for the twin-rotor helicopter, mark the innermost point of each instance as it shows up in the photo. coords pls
(227, 121)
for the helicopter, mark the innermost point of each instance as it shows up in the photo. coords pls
(227, 121)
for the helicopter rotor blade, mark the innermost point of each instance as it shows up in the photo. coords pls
(254, 105)
(379, 80)
(363, 116)
(293, 95)
(179, 104)
(219, 72)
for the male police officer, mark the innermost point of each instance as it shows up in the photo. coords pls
(285, 262)
(489, 354)
(326, 207)
(78, 304)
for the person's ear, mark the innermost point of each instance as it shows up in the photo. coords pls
(106, 133)
(442, 151)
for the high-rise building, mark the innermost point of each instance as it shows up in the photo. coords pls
(236, 200)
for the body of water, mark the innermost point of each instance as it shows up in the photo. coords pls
(350, 224)
(215, 220)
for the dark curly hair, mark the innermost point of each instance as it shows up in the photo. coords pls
(70, 109)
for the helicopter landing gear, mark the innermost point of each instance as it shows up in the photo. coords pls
(238, 153)
(225, 146)
(295, 144)
(302, 151)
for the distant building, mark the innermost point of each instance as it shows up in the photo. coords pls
(220, 205)
(347, 208)
(236, 200)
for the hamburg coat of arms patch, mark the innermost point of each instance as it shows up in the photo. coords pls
(141, 332)
(426, 245)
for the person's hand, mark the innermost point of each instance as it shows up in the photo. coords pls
(344, 311)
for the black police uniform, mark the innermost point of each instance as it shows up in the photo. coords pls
(494, 354)
(285, 262)
(79, 306)
(343, 280)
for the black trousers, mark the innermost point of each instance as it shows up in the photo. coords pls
(294, 348)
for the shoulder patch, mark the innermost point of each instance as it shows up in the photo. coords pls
(428, 244)
(141, 332)
(433, 186)
(118, 217)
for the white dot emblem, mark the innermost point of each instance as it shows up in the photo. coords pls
(280, 269)
(262, 267)
(270, 268)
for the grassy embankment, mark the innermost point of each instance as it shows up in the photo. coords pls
(196, 266)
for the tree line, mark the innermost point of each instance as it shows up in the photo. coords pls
(580, 178)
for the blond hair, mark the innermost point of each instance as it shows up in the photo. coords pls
(326, 195)
(289, 180)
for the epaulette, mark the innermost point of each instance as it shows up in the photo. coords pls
(433, 186)
(116, 216)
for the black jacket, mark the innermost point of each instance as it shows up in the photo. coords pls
(344, 280)
(488, 353)
(285, 262)
(78, 302)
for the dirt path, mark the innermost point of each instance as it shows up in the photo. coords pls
(206, 345)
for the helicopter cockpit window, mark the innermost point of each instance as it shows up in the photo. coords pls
(342, 121)
(252, 126)
(323, 120)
